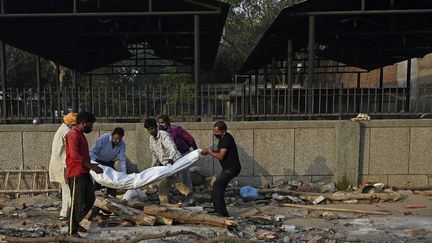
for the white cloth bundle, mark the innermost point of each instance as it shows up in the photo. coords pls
(119, 180)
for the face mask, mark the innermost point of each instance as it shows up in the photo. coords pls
(163, 127)
(87, 129)
(218, 136)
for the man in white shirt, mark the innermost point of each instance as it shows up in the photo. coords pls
(164, 152)
(57, 165)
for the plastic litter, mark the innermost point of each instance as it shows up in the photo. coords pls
(318, 199)
(137, 194)
(289, 228)
(249, 192)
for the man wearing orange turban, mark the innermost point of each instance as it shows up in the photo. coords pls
(57, 165)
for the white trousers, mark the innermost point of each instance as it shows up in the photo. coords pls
(66, 200)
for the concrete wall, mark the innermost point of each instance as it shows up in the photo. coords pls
(395, 152)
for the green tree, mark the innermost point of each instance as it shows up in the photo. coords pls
(21, 69)
(178, 85)
(246, 22)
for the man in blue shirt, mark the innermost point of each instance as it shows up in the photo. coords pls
(107, 149)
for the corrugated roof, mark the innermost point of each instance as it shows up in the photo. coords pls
(366, 41)
(89, 42)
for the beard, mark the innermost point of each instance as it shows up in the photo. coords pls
(87, 129)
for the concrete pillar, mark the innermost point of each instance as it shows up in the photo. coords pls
(197, 61)
(38, 86)
(3, 78)
(407, 76)
(347, 154)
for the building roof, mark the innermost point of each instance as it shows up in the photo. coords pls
(99, 32)
(380, 35)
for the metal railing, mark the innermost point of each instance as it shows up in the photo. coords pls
(228, 102)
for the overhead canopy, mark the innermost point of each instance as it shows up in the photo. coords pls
(98, 32)
(385, 32)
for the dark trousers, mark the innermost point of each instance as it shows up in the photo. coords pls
(111, 191)
(219, 190)
(82, 197)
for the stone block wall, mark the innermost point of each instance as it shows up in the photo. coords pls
(395, 152)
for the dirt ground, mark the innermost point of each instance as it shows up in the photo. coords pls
(37, 216)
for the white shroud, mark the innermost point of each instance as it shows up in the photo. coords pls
(119, 180)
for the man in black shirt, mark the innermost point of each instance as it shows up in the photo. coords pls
(228, 157)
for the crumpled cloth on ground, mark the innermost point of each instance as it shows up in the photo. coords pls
(119, 180)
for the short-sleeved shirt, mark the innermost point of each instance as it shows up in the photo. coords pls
(231, 160)
(77, 152)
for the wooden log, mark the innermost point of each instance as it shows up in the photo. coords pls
(224, 239)
(19, 181)
(382, 197)
(189, 217)
(6, 180)
(343, 210)
(125, 212)
(164, 235)
(137, 204)
(66, 238)
(27, 191)
(288, 192)
(164, 221)
(57, 238)
(23, 170)
(34, 180)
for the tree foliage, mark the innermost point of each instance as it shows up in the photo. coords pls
(246, 22)
(21, 69)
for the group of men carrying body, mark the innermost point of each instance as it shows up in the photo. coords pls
(70, 162)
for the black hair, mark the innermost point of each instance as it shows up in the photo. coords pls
(85, 116)
(119, 131)
(221, 125)
(150, 123)
(165, 118)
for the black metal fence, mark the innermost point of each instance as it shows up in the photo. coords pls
(227, 102)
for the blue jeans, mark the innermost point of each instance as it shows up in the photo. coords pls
(218, 195)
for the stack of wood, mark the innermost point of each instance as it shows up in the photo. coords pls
(152, 214)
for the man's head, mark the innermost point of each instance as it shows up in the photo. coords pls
(85, 121)
(151, 125)
(219, 129)
(117, 135)
(164, 122)
(70, 119)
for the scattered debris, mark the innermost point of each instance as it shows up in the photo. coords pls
(361, 117)
(282, 213)
(289, 228)
(8, 210)
(318, 200)
(336, 209)
(415, 206)
(352, 201)
(329, 216)
(266, 234)
(417, 232)
(249, 192)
